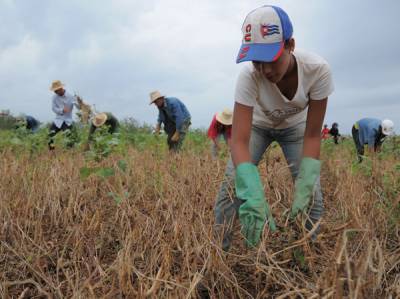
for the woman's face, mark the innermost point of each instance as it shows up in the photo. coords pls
(276, 70)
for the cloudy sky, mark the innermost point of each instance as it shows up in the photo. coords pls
(113, 53)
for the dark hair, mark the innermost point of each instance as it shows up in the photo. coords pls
(287, 43)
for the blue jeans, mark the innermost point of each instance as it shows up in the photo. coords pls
(175, 146)
(291, 142)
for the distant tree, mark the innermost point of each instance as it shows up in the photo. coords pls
(7, 121)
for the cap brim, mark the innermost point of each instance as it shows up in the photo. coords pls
(260, 52)
(387, 133)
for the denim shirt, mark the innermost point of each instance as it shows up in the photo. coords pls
(173, 111)
(369, 131)
(58, 104)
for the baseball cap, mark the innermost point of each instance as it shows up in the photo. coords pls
(265, 31)
(387, 127)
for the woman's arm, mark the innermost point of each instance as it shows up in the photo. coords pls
(255, 210)
(310, 166)
(241, 129)
(312, 135)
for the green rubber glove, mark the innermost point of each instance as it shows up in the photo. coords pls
(309, 172)
(255, 210)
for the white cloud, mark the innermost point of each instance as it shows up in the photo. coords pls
(20, 57)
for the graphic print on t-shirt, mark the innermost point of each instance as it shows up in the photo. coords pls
(280, 114)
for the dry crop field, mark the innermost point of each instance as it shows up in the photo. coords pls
(138, 223)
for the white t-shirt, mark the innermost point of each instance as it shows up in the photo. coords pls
(271, 108)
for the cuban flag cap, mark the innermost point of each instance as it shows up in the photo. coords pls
(265, 31)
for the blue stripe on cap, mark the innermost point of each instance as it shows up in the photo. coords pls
(287, 27)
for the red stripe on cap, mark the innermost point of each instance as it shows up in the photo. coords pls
(279, 52)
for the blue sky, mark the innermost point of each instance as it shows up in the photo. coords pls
(114, 53)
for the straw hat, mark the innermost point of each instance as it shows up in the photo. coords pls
(225, 117)
(57, 84)
(99, 119)
(154, 96)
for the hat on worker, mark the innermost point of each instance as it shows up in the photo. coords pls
(225, 117)
(99, 119)
(387, 127)
(57, 84)
(265, 31)
(155, 95)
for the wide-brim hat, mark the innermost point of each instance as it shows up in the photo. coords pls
(154, 96)
(57, 84)
(265, 31)
(99, 119)
(225, 117)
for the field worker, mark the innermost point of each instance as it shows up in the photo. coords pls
(103, 119)
(175, 117)
(62, 105)
(220, 127)
(334, 131)
(281, 95)
(370, 131)
(325, 132)
(32, 123)
(28, 122)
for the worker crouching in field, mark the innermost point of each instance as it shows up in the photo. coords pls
(325, 132)
(175, 117)
(28, 122)
(371, 132)
(334, 131)
(100, 120)
(62, 105)
(220, 127)
(280, 96)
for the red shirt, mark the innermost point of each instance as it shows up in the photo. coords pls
(216, 128)
(325, 133)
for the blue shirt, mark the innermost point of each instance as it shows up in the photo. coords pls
(368, 130)
(59, 102)
(173, 110)
(32, 123)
